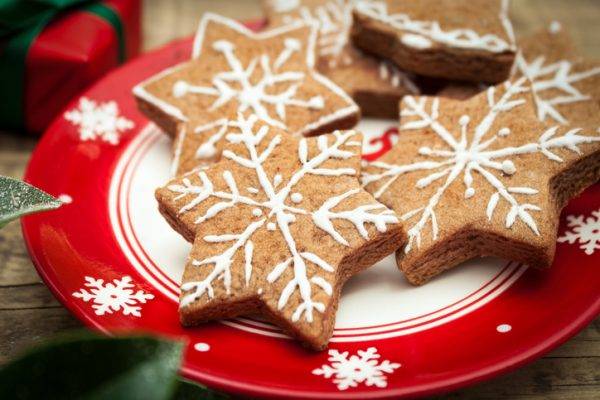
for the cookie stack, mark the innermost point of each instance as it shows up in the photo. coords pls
(279, 220)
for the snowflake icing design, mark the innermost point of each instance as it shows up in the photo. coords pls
(236, 84)
(98, 120)
(549, 77)
(364, 368)
(116, 296)
(277, 193)
(584, 231)
(462, 159)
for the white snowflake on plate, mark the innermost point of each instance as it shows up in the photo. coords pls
(237, 85)
(461, 158)
(116, 296)
(584, 231)
(551, 77)
(98, 120)
(364, 367)
(281, 208)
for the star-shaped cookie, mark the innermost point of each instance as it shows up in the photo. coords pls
(278, 225)
(467, 40)
(233, 69)
(376, 85)
(482, 177)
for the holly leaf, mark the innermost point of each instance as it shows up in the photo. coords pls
(18, 198)
(88, 366)
(187, 390)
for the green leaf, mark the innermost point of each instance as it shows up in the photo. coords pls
(18, 198)
(88, 366)
(187, 390)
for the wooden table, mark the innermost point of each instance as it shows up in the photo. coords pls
(29, 313)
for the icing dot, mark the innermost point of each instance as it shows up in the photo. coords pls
(271, 226)
(464, 120)
(259, 291)
(293, 44)
(252, 190)
(180, 89)
(424, 151)
(65, 198)
(257, 212)
(316, 102)
(469, 192)
(416, 41)
(296, 197)
(508, 167)
(504, 132)
(202, 347)
(555, 27)
(503, 328)
(277, 180)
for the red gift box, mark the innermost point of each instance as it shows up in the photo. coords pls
(72, 52)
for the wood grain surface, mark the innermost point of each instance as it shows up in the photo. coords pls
(29, 313)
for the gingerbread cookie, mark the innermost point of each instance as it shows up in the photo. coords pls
(278, 226)
(565, 87)
(470, 40)
(482, 177)
(376, 85)
(234, 70)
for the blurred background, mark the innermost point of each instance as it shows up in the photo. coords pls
(29, 313)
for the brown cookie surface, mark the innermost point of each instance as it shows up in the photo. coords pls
(235, 70)
(278, 225)
(470, 40)
(376, 85)
(565, 86)
(482, 177)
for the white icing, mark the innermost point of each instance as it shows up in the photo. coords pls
(296, 197)
(282, 215)
(292, 79)
(417, 41)
(277, 180)
(236, 84)
(503, 132)
(547, 79)
(257, 212)
(334, 18)
(462, 158)
(252, 190)
(208, 149)
(431, 30)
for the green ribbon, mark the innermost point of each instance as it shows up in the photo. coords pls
(21, 21)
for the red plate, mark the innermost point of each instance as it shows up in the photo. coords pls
(114, 262)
